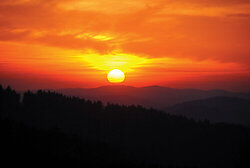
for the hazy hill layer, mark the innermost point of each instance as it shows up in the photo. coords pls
(151, 96)
(216, 109)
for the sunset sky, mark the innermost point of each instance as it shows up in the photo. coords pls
(203, 44)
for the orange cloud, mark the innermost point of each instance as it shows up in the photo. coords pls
(139, 36)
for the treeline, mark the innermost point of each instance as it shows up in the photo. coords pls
(77, 132)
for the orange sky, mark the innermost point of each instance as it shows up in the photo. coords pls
(201, 44)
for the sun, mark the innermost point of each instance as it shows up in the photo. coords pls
(116, 76)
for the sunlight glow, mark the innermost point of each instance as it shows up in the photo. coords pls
(95, 36)
(116, 76)
(124, 62)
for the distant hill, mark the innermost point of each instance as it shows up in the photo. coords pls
(151, 96)
(216, 109)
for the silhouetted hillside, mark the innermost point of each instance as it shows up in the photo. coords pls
(29, 147)
(131, 136)
(217, 109)
(151, 96)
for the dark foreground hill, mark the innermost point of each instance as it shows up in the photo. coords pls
(150, 96)
(112, 135)
(216, 109)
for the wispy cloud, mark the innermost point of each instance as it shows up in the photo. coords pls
(194, 30)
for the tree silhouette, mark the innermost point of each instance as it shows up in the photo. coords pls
(68, 131)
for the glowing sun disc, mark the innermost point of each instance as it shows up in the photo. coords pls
(116, 76)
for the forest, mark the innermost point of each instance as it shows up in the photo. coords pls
(49, 129)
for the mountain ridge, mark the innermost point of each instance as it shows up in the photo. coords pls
(158, 96)
(215, 109)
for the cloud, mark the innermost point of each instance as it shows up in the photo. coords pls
(197, 30)
(240, 15)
